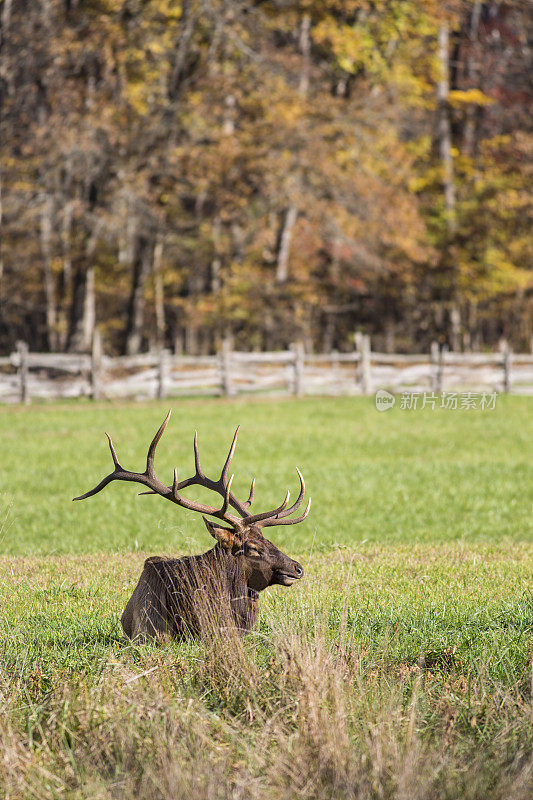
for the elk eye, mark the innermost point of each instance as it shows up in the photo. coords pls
(252, 551)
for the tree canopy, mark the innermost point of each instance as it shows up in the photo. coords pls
(177, 172)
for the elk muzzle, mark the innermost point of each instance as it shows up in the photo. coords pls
(288, 574)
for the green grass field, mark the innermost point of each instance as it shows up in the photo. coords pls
(401, 666)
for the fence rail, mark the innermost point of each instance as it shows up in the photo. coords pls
(25, 376)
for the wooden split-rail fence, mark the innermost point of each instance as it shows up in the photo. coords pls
(25, 376)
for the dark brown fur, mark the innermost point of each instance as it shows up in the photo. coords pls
(219, 589)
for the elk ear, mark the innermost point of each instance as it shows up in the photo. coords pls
(225, 536)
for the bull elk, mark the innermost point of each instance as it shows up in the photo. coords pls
(188, 596)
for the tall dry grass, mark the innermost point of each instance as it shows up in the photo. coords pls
(295, 715)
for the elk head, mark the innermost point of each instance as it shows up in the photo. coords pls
(263, 564)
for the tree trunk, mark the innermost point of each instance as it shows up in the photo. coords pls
(329, 332)
(290, 213)
(83, 310)
(1, 248)
(66, 287)
(83, 306)
(216, 261)
(284, 243)
(455, 328)
(159, 300)
(5, 19)
(390, 334)
(444, 127)
(445, 148)
(305, 49)
(142, 263)
(182, 58)
(48, 277)
(196, 287)
(268, 328)
(472, 73)
(191, 339)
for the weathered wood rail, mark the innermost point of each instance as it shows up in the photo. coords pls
(25, 376)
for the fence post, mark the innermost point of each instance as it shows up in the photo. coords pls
(225, 367)
(362, 343)
(22, 348)
(162, 366)
(298, 368)
(507, 358)
(96, 365)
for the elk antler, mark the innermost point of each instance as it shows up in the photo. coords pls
(278, 516)
(222, 486)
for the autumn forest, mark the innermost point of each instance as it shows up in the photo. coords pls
(175, 173)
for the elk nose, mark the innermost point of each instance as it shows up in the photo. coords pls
(299, 570)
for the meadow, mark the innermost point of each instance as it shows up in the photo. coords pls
(401, 666)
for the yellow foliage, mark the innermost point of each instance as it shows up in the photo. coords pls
(345, 41)
(476, 97)
(137, 98)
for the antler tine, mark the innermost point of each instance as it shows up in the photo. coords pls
(267, 523)
(197, 464)
(103, 483)
(252, 518)
(296, 504)
(147, 478)
(248, 503)
(225, 468)
(150, 458)
(199, 479)
(277, 516)
(226, 499)
(113, 452)
(193, 505)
